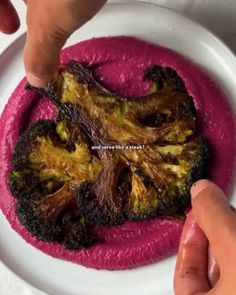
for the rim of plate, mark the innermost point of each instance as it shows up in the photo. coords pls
(107, 8)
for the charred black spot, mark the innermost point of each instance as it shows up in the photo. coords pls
(165, 76)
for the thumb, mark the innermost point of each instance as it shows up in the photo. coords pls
(213, 214)
(41, 57)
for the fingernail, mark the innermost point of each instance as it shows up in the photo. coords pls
(199, 186)
(35, 81)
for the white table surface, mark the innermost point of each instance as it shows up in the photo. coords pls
(217, 15)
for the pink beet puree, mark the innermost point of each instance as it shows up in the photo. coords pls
(119, 62)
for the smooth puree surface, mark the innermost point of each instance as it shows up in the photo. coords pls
(119, 63)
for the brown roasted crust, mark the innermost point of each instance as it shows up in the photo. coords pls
(163, 123)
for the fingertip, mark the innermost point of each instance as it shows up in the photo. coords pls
(35, 80)
(211, 211)
(199, 186)
(40, 69)
(41, 60)
(10, 21)
(10, 28)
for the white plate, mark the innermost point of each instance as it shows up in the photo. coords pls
(155, 24)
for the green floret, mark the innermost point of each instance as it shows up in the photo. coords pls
(143, 199)
(49, 164)
(43, 161)
(200, 162)
(25, 178)
(135, 184)
(164, 189)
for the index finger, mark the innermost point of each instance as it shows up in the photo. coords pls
(191, 267)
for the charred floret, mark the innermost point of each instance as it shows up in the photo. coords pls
(116, 119)
(161, 184)
(45, 159)
(165, 77)
(143, 198)
(48, 219)
(49, 164)
(133, 183)
(102, 202)
(76, 232)
(24, 183)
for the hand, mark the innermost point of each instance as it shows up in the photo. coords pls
(210, 225)
(50, 23)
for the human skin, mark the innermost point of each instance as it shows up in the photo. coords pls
(210, 225)
(211, 221)
(49, 25)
